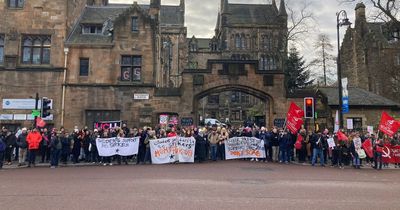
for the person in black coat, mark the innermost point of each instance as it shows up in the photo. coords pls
(10, 141)
(76, 149)
(200, 149)
(65, 146)
(142, 147)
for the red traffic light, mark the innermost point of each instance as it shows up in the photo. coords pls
(309, 102)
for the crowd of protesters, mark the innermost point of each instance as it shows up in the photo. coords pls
(54, 146)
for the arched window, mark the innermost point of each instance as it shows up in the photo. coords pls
(36, 49)
(1, 49)
(267, 63)
(244, 41)
(238, 41)
(263, 63)
(266, 42)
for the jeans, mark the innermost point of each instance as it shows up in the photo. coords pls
(268, 152)
(64, 156)
(45, 153)
(283, 155)
(214, 152)
(55, 156)
(275, 153)
(378, 160)
(9, 151)
(221, 151)
(356, 161)
(318, 152)
(22, 155)
(32, 156)
(94, 155)
(147, 156)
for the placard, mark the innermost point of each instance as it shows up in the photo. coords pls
(117, 146)
(244, 147)
(350, 124)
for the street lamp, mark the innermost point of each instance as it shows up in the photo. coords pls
(341, 20)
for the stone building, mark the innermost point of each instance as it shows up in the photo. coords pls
(370, 56)
(99, 61)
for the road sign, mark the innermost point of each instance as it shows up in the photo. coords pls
(35, 113)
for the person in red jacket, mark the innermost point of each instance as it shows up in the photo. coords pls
(34, 138)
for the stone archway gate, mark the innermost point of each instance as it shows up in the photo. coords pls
(231, 75)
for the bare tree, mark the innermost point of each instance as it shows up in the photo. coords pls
(386, 10)
(324, 59)
(301, 21)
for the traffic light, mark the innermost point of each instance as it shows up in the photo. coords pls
(45, 109)
(309, 107)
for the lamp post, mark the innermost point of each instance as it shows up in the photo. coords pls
(341, 20)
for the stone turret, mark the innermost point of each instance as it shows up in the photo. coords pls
(282, 9)
(155, 6)
(97, 2)
(224, 7)
(182, 6)
(274, 5)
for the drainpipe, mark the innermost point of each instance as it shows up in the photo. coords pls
(66, 50)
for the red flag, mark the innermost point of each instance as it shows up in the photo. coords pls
(298, 145)
(388, 124)
(296, 110)
(367, 146)
(391, 154)
(294, 118)
(40, 122)
(341, 136)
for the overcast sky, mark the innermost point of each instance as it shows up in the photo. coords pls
(201, 17)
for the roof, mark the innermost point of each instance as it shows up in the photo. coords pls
(254, 14)
(357, 97)
(98, 15)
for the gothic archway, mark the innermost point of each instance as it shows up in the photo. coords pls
(264, 98)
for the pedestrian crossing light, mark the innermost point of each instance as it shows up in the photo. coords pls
(309, 107)
(45, 109)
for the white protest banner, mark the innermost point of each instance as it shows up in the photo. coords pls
(169, 150)
(357, 142)
(117, 146)
(331, 143)
(244, 147)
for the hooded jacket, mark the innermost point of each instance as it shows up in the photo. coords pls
(34, 139)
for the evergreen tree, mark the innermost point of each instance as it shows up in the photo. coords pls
(297, 75)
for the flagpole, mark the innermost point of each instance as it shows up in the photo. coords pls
(36, 108)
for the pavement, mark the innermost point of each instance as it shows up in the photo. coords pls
(213, 185)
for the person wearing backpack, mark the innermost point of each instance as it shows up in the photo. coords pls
(23, 146)
(55, 147)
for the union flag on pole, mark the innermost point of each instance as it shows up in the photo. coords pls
(294, 118)
(388, 125)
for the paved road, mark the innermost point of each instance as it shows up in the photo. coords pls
(221, 185)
